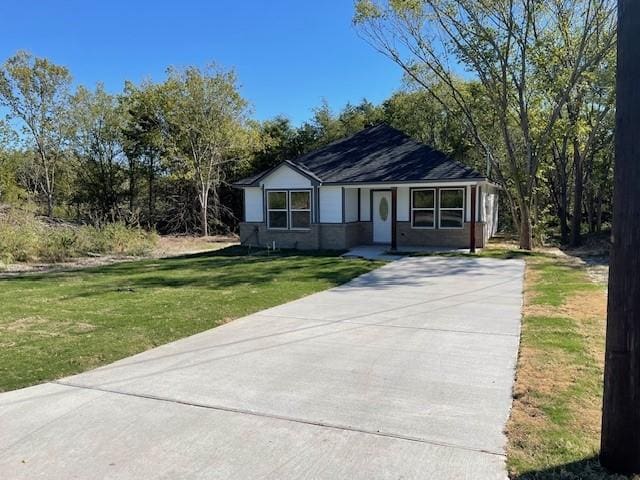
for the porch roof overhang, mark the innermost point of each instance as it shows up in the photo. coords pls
(412, 183)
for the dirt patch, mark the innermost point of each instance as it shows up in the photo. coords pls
(45, 327)
(23, 324)
(169, 245)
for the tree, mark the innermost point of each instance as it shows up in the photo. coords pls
(10, 190)
(206, 116)
(36, 92)
(98, 147)
(509, 47)
(144, 135)
(620, 449)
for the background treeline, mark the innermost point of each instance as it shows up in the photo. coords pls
(537, 117)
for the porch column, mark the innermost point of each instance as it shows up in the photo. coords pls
(472, 229)
(394, 217)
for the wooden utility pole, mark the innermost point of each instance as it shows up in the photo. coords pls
(620, 448)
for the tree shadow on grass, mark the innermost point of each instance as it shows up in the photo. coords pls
(219, 269)
(586, 469)
(238, 266)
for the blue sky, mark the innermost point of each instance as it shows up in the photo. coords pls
(288, 54)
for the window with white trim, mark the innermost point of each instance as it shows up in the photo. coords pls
(451, 212)
(289, 209)
(277, 211)
(423, 208)
(300, 202)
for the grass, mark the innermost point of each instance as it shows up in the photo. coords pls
(554, 428)
(57, 324)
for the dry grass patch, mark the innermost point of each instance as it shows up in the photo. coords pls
(554, 428)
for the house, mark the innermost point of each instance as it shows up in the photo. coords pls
(378, 186)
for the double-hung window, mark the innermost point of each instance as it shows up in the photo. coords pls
(423, 208)
(300, 211)
(277, 210)
(289, 209)
(451, 208)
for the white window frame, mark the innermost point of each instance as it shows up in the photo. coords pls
(456, 209)
(412, 209)
(291, 210)
(285, 209)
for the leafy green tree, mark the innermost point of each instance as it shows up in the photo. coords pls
(11, 191)
(144, 133)
(512, 50)
(97, 144)
(36, 92)
(206, 118)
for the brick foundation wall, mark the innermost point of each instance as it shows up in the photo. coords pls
(458, 238)
(326, 236)
(258, 235)
(341, 236)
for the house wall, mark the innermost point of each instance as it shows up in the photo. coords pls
(329, 232)
(253, 205)
(258, 235)
(365, 204)
(325, 236)
(454, 237)
(350, 204)
(330, 204)
(340, 236)
(402, 214)
(286, 178)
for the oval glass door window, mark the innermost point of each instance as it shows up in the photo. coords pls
(384, 209)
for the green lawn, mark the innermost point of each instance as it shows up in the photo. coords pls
(57, 324)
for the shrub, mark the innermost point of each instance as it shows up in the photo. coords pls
(23, 238)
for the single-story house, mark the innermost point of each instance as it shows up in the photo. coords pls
(378, 186)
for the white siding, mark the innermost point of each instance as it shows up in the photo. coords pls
(253, 209)
(330, 204)
(403, 204)
(351, 204)
(365, 204)
(285, 177)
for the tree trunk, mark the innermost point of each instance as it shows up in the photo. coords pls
(591, 210)
(620, 447)
(526, 234)
(49, 204)
(150, 200)
(576, 221)
(204, 217)
(564, 204)
(133, 186)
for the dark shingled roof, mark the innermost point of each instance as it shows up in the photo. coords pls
(377, 154)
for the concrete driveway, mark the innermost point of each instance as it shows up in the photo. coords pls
(404, 373)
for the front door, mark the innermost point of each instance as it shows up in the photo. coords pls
(382, 217)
